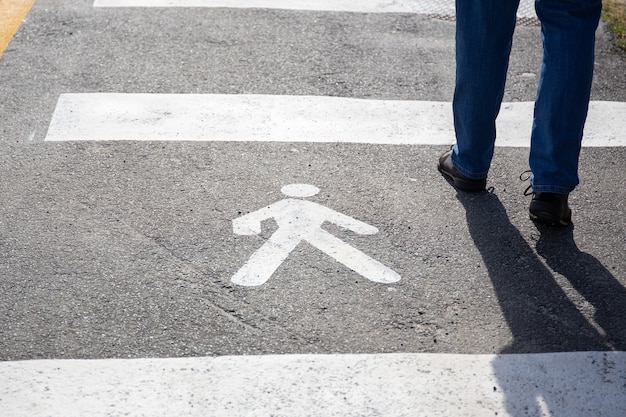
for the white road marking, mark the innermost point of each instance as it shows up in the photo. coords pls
(300, 220)
(429, 7)
(274, 118)
(566, 384)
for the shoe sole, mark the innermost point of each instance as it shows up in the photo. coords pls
(549, 218)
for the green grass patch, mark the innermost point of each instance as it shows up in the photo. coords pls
(614, 12)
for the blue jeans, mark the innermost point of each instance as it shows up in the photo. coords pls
(484, 32)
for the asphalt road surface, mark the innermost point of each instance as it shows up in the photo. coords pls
(190, 266)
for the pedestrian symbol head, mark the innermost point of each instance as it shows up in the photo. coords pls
(299, 190)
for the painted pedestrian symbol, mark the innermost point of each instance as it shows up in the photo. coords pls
(300, 220)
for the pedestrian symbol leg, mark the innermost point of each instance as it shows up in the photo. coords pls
(352, 257)
(266, 260)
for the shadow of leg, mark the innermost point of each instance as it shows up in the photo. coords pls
(536, 309)
(541, 318)
(590, 278)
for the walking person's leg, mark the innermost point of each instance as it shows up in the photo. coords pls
(568, 30)
(484, 33)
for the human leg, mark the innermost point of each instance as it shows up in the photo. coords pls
(484, 33)
(568, 34)
(568, 30)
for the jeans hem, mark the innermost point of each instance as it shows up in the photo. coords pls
(467, 173)
(557, 189)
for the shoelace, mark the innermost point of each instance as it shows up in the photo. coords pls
(525, 176)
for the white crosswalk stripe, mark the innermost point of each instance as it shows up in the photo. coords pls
(427, 7)
(554, 384)
(263, 118)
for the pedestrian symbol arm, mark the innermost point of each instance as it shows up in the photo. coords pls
(250, 224)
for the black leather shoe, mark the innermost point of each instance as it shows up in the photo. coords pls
(460, 181)
(550, 208)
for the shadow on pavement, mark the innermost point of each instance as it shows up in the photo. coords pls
(537, 309)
